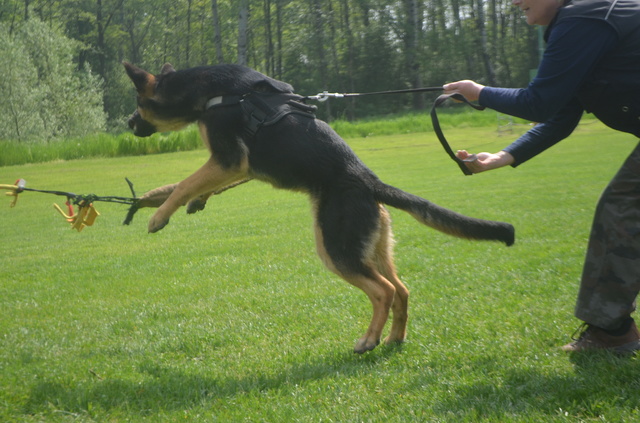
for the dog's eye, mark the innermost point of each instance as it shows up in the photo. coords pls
(148, 103)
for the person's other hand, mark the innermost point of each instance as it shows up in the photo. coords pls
(469, 89)
(481, 162)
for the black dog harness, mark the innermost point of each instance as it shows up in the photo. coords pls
(264, 109)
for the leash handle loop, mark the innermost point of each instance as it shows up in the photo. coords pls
(438, 130)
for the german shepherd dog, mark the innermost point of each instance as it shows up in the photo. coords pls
(290, 149)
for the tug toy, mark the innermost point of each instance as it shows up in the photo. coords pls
(86, 213)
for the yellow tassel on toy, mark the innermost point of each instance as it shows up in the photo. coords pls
(86, 216)
(14, 190)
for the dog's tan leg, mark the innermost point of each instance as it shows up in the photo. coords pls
(381, 294)
(380, 291)
(384, 263)
(156, 197)
(210, 177)
(398, 332)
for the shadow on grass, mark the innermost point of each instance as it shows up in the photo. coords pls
(166, 388)
(601, 384)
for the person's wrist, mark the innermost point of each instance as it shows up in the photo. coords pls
(505, 158)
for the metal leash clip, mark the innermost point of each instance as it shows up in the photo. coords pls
(324, 96)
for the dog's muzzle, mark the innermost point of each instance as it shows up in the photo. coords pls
(140, 127)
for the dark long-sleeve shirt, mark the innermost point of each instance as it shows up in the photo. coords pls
(574, 48)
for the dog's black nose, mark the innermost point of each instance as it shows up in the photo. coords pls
(140, 127)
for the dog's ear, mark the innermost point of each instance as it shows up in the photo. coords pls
(167, 68)
(142, 79)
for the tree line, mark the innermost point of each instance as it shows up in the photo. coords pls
(316, 45)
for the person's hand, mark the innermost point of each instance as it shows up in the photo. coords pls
(481, 162)
(469, 89)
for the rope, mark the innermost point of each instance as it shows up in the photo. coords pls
(77, 198)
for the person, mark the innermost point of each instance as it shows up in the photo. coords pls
(591, 63)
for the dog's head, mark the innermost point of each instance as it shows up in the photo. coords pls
(158, 110)
(173, 99)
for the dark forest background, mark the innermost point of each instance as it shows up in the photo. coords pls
(63, 57)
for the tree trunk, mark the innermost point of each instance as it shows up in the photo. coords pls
(217, 35)
(188, 35)
(100, 40)
(413, 25)
(318, 46)
(484, 48)
(459, 36)
(350, 58)
(269, 62)
(243, 33)
(278, 73)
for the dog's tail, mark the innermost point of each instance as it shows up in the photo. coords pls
(445, 220)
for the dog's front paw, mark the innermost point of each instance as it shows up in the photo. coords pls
(157, 222)
(394, 340)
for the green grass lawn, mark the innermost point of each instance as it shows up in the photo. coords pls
(228, 315)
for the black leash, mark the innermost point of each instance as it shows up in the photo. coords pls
(438, 130)
(434, 116)
(326, 95)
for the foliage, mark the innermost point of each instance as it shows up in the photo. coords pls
(98, 145)
(316, 45)
(42, 95)
(229, 316)
(126, 144)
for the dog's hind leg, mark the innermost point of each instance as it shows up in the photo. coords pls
(381, 294)
(209, 178)
(383, 257)
(348, 233)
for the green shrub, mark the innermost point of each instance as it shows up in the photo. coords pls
(44, 96)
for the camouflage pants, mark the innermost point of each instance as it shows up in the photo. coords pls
(611, 274)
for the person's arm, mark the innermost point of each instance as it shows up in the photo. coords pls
(575, 47)
(532, 143)
(547, 134)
